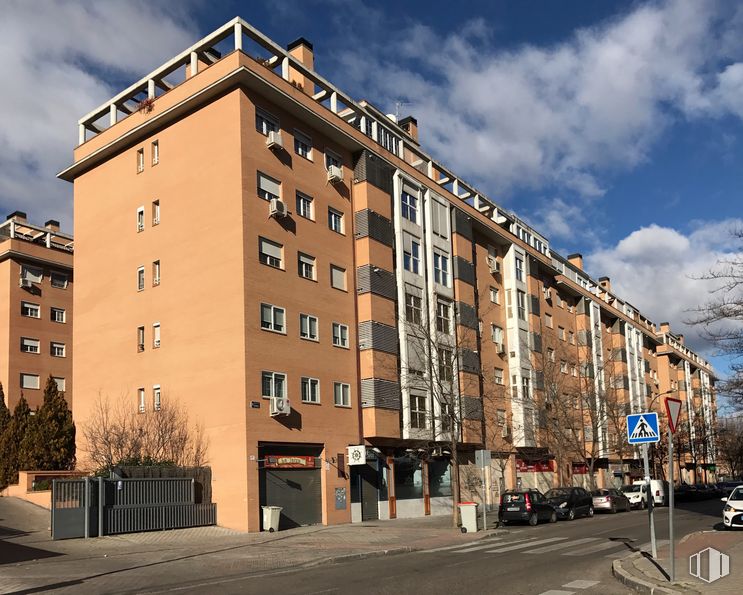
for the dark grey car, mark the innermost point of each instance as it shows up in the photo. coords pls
(525, 505)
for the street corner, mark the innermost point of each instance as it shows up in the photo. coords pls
(712, 560)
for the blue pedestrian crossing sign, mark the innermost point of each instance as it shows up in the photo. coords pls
(642, 428)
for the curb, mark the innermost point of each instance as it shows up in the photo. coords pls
(637, 584)
(406, 549)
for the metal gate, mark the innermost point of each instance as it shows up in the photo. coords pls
(366, 479)
(298, 492)
(74, 508)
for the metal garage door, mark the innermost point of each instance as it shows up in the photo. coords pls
(297, 491)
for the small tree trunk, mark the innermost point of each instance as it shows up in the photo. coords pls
(454, 484)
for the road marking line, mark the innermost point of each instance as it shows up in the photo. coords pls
(522, 546)
(645, 547)
(580, 584)
(557, 546)
(557, 592)
(484, 547)
(453, 547)
(595, 548)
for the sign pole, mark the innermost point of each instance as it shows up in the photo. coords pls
(484, 502)
(650, 501)
(672, 545)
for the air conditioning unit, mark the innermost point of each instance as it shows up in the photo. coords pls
(140, 226)
(273, 140)
(156, 343)
(493, 264)
(547, 293)
(140, 347)
(500, 348)
(505, 431)
(335, 174)
(156, 281)
(280, 406)
(277, 208)
(23, 282)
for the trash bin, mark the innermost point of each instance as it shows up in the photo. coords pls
(271, 516)
(468, 514)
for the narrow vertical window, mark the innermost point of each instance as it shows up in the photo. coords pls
(519, 269)
(140, 278)
(155, 212)
(156, 335)
(141, 399)
(140, 219)
(156, 400)
(140, 161)
(140, 338)
(156, 272)
(155, 152)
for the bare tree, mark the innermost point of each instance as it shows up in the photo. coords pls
(730, 446)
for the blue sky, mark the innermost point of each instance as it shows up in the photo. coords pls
(613, 127)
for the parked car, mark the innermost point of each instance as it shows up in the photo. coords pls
(659, 489)
(728, 487)
(686, 493)
(525, 505)
(732, 513)
(636, 495)
(570, 502)
(611, 500)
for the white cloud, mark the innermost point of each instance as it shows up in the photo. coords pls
(57, 60)
(658, 270)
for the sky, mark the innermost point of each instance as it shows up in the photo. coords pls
(614, 128)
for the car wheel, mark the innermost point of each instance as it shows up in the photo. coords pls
(533, 519)
(590, 511)
(463, 529)
(553, 517)
(642, 504)
(571, 514)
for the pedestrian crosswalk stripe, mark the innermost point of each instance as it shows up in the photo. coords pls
(580, 584)
(557, 592)
(454, 547)
(595, 548)
(490, 545)
(557, 546)
(522, 546)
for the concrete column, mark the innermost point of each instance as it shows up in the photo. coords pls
(12, 229)
(238, 36)
(49, 239)
(194, 63)
(151, 89)
(285, 68)
(430, 169)
(375, 130)
(112, 114)
(455, 188)
(334, 102)
(80, 134)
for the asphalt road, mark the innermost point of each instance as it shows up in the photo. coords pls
(569, 557)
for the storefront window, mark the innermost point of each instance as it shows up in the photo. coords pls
(408, 479)
(439, 478)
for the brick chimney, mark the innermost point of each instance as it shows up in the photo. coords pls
(665, 327)
(52, 224)
(605, 283)
(302, 50)
(17, 216)
(410, 125)
(576, 260)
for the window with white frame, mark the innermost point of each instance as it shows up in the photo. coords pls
(571, 337)
(304, 206)
(308, 327)
(418, 411)
(61, 384)
(59, 280)
(525, 388)
(563, 366)
(495, 295)
(498, 375)
(519, 268)
(33, 274)
(335, 220)
(30, 381)
(155, 152)
(337, 277)
(550, 354)
(440, 219)
(306, 266)
(561, 333)
(446, 415)
(443, 317)
(140, 338)
(341, 394)
(58, 349)
(332, 158)
(574, 370)
(140, 161)
(270, 253)
(302, 145)
(156, 335)
(156, 397)
(58, 315)
(340, 335)
(30, 310)
(272, 318)
(440, 268)
(521, 304)
(411, 254)
(142, 405)
(29, 345)
(155, 212)
(140, 278)
(496, 334)
(446, 365)
(268, 187)
(273, 384)
(310, 390)
(548, 320)
(409, 206)
(265, 122)
(413, 308)
(156, 272)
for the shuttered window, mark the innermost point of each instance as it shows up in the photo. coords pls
(268, 188)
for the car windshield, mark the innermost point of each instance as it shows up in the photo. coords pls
(737, 494)
(557, 494)
(600, 493)
(634, 488)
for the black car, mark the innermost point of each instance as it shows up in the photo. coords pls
(525, 505)
(570, 502)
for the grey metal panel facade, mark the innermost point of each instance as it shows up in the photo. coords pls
(464, 270)
(536, 342)
(375, 335)
(472, 408)
(469, 361)
(378, 282)
(461, 223)
(384, 394)
(373, 225)
(467, 316)
(370, 168)
(535, 305)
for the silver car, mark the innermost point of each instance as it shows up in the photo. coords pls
(610, 500)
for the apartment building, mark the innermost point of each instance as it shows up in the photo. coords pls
(294, 268)
(36, 320)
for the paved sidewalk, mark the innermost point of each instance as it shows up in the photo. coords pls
(30, 562)
(644, 575)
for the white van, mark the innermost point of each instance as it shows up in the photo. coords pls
(659, 489)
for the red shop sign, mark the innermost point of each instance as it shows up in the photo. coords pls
(289, 462)
(580, 469)
(534, 467)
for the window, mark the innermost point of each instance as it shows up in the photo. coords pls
(409, 206)
(30, 381)
(519, 269)
(446, 366)
(525, 388)
(33, 274)
(550, 354)
(563, 366)
(308, 327)
(306, 265)
(412, 308)
(332, 158)
(548, 320)
(140, 338)
(443, 317)
(140, 278)
(573, 370)
(140, 399)
(495, 295)
(272, 318)
(418, 411)
(156, 398)
(268, 188)
(337, 277)
(335, 220)
(411, 254)
(340, 335)
(304, 206)
(498, 375)
(57, 349)
(140, 219)
(561, 333)
(155, 212)
(59, 280)
(156, 272)
(310, 389)
(496, 334)
(571, 337)
(439, 219)
(447, 413)
(140, 161)
(441, 269)
(60, 383)
(559, 301)
(57, 315)
(521, 304)
(155, 152)
(302, 145)
(30, 345)
(156, 335)
(341, 394)
(501, 417)
(571, 308)
(265, 122)
(30, 310)
(270, 253)
(273, 384)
